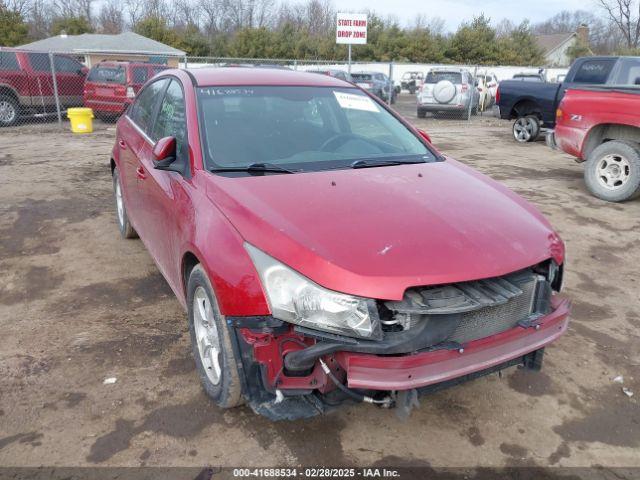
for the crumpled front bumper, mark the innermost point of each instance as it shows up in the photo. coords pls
(375, 372)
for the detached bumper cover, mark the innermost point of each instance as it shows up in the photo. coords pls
(414, 371)
(550, 138)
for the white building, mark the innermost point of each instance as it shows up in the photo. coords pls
(556, 47)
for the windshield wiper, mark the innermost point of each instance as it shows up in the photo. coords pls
(384, 163)
(255, 168)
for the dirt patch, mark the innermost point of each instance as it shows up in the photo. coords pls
(130, 350)
(513, 450)
(475, 437)
(123, 293)
(181, 421)
(532, 383)
(32, 283)
(612, 418)
(36, 229)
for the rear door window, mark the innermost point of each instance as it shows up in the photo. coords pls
(8, 61)
(66, 64)
(39, 62)
(107, 75)
(143, 108)
(594, 71)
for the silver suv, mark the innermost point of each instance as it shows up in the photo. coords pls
(448, 90)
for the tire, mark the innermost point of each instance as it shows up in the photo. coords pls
(9, 111)
(412, 90)
(612, 171)
(126, 230)
(526, 129)
(422, 113)
(219, 378)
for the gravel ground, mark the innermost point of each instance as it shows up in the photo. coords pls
(78, 305)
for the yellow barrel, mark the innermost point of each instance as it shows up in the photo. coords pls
(81, 120)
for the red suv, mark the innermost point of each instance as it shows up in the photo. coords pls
(111, 86)
(27, 84)
(323, 249)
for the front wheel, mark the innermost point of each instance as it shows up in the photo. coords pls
(612, 171)
(526, 129)
(9, 110)
(211, 343)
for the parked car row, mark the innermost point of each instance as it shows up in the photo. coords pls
(27, 84)
(452, 90)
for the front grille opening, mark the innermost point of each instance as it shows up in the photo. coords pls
(476, 309)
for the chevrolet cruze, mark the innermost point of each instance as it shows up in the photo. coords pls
(322, 248)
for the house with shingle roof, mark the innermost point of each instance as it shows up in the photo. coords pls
(557, 46)
(94, 48)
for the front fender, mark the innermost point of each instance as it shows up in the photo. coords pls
(220, 249)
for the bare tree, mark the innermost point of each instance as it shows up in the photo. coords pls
(625, 15)
(20, 7)
(111, 17)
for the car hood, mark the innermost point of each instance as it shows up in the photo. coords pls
(375, 232)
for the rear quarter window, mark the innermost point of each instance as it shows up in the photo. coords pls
(139, 75)
(594, 71)
(8, 61)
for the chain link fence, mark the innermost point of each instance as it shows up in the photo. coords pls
(37, 88)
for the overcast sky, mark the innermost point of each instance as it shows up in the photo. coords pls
(455, 11)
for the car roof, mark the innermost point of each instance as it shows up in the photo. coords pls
(238, 76)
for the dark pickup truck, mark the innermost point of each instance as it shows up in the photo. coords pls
(533, 104)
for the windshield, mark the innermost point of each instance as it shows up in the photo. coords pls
(300, 128)
(435, 77)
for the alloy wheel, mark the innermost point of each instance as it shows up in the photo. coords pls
(523, 129)
(7, 111)
(207, 336)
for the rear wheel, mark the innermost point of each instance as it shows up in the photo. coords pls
(9, 109)
(422, 113)
(211, 343)
(612, 171)
(526, 129)
(126, 230)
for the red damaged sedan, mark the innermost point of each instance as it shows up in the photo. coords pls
(323, 248)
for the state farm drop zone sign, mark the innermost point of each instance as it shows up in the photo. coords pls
(351, 28)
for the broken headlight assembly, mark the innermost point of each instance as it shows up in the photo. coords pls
(296, 299)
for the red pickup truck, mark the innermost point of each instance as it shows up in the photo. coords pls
(26, 83)
(601, 126)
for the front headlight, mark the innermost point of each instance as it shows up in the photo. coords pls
(296, 299)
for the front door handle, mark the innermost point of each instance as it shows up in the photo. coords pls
(140, 173)
(122, 144)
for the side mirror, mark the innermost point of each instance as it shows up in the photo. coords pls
(424, 135)
(164, 153)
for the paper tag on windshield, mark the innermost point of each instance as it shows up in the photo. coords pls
(355, 102)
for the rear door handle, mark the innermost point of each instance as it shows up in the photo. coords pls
(140, 173)
(122, 144)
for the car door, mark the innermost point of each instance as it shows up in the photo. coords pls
(40, 80)
(131, 137)
(70, 77)
(164, 194)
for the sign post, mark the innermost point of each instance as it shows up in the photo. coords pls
(351, 29)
